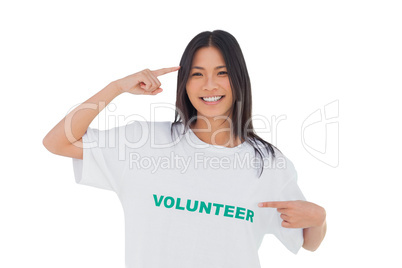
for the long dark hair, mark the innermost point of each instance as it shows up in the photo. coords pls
(239, 81)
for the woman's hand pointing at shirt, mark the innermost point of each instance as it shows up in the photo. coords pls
(298, 214)
(302, 214)
(144, 82)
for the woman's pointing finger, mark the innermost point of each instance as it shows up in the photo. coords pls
(165, 70)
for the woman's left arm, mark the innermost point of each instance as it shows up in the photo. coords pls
(302, 214)
(314, 235)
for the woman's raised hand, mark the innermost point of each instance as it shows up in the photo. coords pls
(144, 82)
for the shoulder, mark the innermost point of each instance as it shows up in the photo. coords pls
(138, 131)
(160, 132)
(146, 126)
(268, 150)
(279, 166)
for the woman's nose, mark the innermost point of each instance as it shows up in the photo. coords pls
(210, 84)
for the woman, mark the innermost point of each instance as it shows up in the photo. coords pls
(189, 188)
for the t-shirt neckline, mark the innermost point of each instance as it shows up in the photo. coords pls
(193, 140)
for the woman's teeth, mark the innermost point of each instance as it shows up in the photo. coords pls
(212, 98)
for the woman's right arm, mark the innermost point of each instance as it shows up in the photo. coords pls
(66, 137)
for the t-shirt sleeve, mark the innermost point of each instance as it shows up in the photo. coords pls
(291, 238)
(103, 160)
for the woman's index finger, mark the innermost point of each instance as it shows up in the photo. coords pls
(165, 70)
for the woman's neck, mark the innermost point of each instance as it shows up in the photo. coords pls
(215, 132)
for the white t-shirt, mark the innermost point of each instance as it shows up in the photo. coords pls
(188, 203)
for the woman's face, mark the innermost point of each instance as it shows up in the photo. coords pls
(208, 78)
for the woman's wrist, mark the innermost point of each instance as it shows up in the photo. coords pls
(114, 86)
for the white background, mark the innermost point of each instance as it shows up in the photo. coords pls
(301, 56)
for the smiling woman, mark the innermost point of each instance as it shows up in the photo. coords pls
(191, 200)
(214, 93)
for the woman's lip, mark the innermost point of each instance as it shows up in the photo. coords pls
(213, 96)
(212, 102)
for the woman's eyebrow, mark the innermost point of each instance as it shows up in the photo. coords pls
(218, 67)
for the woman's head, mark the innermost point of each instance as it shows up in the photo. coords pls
(210, 50)
(221, 47)
(209, 77)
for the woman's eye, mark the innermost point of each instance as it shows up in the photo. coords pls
(197, 74)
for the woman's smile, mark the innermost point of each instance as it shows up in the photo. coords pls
(212, 100)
